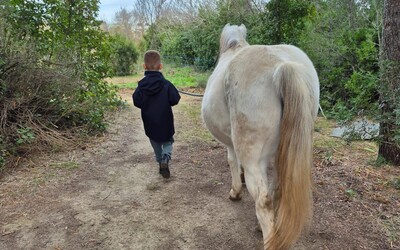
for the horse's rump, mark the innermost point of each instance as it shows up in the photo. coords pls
(253, 100)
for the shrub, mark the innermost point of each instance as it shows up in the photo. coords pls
(51, 79)
(125, 55)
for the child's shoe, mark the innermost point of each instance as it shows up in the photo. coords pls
(164, 169)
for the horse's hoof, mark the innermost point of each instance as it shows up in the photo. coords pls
(258, 228)
(237, 198)
(234, 196)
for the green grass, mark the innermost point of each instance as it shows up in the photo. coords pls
(129, 85)
(179, 76)
(192, 112)
(323, 126)
(65, 165)
(185, 76)
(125, 82)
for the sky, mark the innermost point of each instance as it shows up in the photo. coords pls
(109, 7)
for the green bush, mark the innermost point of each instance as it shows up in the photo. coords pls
(124, 55)
(51, 79)
(362, 87)
(196, 45)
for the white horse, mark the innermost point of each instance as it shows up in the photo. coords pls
(261, 102)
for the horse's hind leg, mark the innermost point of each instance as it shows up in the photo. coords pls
(256, 182)
(236, 190)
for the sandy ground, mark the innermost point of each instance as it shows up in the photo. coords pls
(109, 195)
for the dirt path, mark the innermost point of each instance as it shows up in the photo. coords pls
(110, 196)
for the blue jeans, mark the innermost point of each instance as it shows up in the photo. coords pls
(162, 150)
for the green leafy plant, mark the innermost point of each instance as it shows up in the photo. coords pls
(350, 193)
(396, 183)
(25, 136)
(379, 162)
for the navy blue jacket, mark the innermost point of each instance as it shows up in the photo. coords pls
(154, 96)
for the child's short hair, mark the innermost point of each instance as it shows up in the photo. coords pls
(152, 59)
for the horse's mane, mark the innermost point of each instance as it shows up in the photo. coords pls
(232, 36)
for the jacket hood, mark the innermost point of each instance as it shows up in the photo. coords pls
(153, 84)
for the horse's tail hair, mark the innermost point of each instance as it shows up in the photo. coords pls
(293, 195)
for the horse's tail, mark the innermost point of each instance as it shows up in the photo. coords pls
(293, 196)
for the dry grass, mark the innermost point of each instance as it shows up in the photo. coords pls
(353, 167)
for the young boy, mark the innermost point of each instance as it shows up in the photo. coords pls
(154, 96)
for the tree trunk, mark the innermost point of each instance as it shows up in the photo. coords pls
(389, 147)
